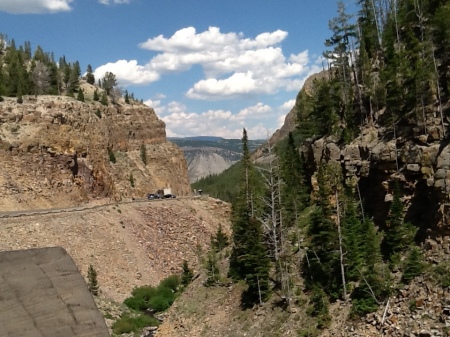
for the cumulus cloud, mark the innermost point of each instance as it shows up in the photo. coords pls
(180, 122)
(35, 6)
(257, 111)
(128, 72)
(233, 65)
(288, 105)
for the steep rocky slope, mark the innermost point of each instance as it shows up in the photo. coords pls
(129, 244)
(56, 151)
(205, 161)
(211, 155)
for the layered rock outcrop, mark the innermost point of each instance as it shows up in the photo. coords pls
(56, 151)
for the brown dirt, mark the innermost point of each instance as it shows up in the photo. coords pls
(128, 244)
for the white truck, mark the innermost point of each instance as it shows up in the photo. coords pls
(165, 193)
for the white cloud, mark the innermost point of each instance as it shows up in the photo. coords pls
(288, 105)
(155, 105)
(238, 83)
(233, 65)
(128, 72)
(257, 119)
(257, 111)
(35, 6)
(110, 2)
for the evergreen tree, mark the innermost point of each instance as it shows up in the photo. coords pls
(187, 274)
(353, 239)
(319, 307)
(322, 260)
(131, 180)
(74, 79)
(212, 269)
(109, 82)
(294, 189)
(104, 99)
(80, 95)
(220, 240)
(127, 99)
(143, 154)
(96, 98)
(248, 259)
(90, 78)
(92, 280)
(414, 265)
(399, 235)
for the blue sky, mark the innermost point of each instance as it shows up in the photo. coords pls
(206, 67)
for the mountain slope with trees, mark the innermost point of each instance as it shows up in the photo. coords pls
(354, 249)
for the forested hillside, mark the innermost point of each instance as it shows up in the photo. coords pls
(27, 72)
(351, 222)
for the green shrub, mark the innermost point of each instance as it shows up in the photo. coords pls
(92, 280)
(112, 157)
(363, 306)
(158, 299)
(136, 303)
(162, 301)
(143, 154)
(171, 282)
(127, 324)
(145, 292)
(98, 113)
(131, 180)
(441, 274)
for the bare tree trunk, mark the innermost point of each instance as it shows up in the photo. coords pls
(360, 202)
(259, 290)
(341, 251)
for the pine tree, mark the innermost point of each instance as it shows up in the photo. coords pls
(399, 235)
(74, 79)
(249, 260)
(187, 274)
(109, 82)
(322, 266)
(96, 98)
(92, 280)
(220, 240)
(414, 265)
(104, 99)
(90, 78)
(143, 153)
(127, 99)
(80, 95)
(353, 239)
(294, 189)
(212, 269)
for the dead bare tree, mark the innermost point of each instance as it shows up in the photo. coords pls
(40, 77)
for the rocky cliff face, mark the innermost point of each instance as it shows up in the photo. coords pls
(56, 151)
(205, 161)
(418, 157)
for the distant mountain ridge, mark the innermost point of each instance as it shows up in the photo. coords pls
(206, 155)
